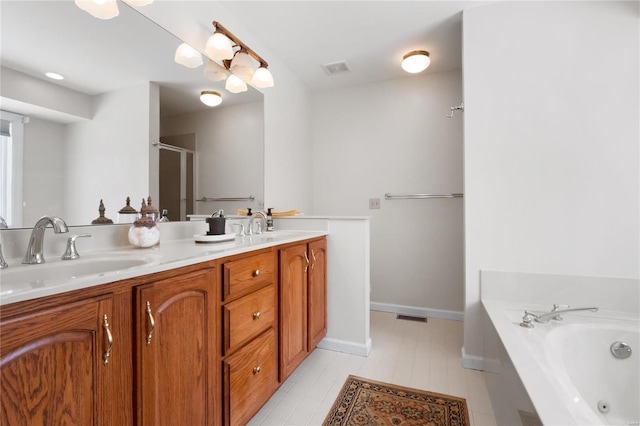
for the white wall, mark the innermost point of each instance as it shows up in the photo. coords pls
(43, 171)
(551, 143)
(393, 136)
(230, 158)
(108, 157)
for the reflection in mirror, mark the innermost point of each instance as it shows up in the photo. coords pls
(94, 135)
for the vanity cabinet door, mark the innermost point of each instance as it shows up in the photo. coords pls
(176, 351)
(293, 308)
(317, 293)
(55, 365)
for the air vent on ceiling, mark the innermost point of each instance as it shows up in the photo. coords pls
(336, 67)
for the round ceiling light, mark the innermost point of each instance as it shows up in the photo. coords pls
(416, 61)
(210, 98)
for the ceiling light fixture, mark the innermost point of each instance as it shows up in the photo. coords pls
(416, 61)
(210, 98)
(238, 62)
(188, 56)
(54, 76)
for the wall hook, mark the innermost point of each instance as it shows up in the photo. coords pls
(454, 108)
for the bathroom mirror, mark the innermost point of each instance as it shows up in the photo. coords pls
(97, 134)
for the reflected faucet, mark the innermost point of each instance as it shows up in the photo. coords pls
(261, 224)
(34, 253)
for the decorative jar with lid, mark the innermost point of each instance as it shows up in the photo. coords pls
(144, 233)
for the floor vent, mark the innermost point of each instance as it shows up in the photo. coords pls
(411, 318)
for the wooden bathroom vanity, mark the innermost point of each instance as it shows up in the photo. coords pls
(206, 343)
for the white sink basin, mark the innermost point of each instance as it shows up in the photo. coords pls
(66, 270)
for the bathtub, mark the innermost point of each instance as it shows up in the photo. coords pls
(563, 372)
(567, 368)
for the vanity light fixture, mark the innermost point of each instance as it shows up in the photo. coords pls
(210, 98)
(239, 62)
(188, 56)
(416, 61)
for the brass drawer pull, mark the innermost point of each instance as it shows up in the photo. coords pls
(256, 273)
(257, 370)
(307, 259)
(108, 340)
(257, 315)
(313, 256)
(151, 323)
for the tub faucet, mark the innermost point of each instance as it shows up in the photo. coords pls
(544, 318)
(261, 223)
(34, 253)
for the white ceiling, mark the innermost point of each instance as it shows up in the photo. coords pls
(372, 36)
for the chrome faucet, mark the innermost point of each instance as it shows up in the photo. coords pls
(34, 253)
(71, 252)
(261, 224)
(544, 318)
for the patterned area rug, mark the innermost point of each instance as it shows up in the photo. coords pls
(366, 402)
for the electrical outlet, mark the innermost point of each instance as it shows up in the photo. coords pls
(374, 203)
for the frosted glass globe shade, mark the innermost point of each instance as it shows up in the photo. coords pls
(218, 47)
(102, 9)
(262, 78)
(188, 56)
(235, 84)
(213, 72)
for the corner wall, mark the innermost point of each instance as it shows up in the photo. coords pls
(551, 143)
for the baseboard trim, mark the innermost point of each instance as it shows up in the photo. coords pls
(415, 311)
(345, 346)
(472, 362)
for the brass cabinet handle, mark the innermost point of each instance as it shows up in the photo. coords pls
(307, 259)
(257, 315)
(313, 256)
(256, 272)
(257, 370)
(108, 341)
(151, 323)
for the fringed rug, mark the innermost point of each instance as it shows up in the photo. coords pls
(367, 402)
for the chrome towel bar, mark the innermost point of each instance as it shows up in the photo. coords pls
(249, 198)
(388, 196)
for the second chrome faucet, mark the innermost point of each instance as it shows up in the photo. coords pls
(544, 318)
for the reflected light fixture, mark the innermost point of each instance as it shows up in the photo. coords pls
(188, 56)
(235, 84)
(102, 9)
(54, 76)
(213, 72)
(210, 98)
(239, 63)
(416, 61)
(107, 9)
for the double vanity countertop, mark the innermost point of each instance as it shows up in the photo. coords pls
(24, 282)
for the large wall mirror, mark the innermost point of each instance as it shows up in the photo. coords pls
(126, 120)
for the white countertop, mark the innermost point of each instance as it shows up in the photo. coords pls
(168, 255)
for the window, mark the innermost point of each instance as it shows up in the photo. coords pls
(11, 139)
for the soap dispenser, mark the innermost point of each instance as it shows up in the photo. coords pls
(269, 220)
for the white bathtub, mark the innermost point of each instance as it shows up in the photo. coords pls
(567, 367)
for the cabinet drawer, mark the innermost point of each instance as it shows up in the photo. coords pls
(248, 316)
(251, 377)
(244, 275)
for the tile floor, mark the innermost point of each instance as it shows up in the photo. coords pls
(407, 353)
